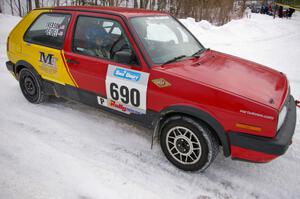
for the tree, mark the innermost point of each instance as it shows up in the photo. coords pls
(215, 11)
(37, 3)
(11, 7)
(29, 5)
(136, 5)
(19, 7)
(243, 7)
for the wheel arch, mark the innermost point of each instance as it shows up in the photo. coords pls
(23, 64)
(199, 115)
(46, 87)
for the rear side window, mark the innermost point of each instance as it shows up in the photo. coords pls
(48, 30)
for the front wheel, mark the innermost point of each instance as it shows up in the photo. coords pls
(31, 86)
(188, 144)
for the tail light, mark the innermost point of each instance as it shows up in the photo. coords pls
(7, 44)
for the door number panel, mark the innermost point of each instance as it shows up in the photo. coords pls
(126, 90)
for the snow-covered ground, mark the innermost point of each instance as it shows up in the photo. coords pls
(61, 149)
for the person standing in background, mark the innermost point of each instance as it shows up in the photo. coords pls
(280, 12)
(290, 13)
(270, 9)
(248, 12)
(275, 11)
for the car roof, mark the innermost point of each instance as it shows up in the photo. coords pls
(126, 12)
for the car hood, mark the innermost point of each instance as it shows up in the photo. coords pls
(235, 75)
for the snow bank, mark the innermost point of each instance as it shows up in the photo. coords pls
(66, 150)
(6, 24)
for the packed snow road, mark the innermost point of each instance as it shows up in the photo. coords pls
(62, 149)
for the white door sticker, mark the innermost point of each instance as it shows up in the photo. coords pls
(126, 90)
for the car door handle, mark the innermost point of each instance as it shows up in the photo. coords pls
(72, 61)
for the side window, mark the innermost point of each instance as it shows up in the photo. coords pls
(100, 37)
(49, 30)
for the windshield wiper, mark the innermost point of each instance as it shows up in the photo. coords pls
(197, 54)
(174, 59)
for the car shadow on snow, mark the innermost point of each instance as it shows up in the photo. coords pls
(220, 163)
(99, 114)
(148, 161)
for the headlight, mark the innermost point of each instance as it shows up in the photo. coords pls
(281, 117)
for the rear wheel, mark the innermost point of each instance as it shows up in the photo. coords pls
(188, 143)
(31, 87)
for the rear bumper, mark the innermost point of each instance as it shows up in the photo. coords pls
(11, 68)
(260, 149)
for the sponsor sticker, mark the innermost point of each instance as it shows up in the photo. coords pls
(102, 101)
(54, 29)
(116, 106)
(161, 82)
(126, 89)
(127, 74)
(48, 63)
(257, 114)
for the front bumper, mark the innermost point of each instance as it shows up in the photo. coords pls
(260, 149)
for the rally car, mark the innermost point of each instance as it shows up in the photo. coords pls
(146, 66)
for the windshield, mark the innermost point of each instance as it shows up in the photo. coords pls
(165, 39)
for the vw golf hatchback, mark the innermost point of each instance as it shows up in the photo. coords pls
(146, 66)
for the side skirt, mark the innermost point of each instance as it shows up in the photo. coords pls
(89, 98)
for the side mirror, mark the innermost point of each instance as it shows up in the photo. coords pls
(124, 56)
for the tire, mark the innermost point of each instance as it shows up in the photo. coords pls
(31, 87)
(188, 143)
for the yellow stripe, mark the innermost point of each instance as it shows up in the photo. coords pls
(67, 68)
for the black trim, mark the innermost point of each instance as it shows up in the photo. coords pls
(89, 98)
(27, 65)
(275, 146)
(205, 117)
(10, 67)
(42, 44)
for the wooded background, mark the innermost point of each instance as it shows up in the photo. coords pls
(215, 11)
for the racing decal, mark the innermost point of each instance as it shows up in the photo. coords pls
(54, 29)
(257, 114)
(161, 82)
(48, 63)
(116, 106)
(126, 90)
(102, 101)
(67, 68)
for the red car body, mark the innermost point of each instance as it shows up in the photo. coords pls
(239, 99)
